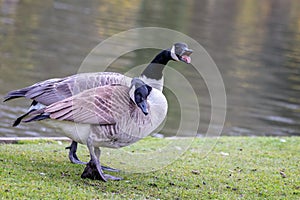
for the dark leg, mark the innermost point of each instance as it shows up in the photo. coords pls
(93, 168)
(74, 159)
(72, 154)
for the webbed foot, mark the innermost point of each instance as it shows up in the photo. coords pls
(109, 169)
(93, 171)
(74, 159)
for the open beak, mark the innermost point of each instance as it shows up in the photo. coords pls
(185, 56)
(143, 106)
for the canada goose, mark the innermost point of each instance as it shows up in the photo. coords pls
(117, 116)
(53, 93)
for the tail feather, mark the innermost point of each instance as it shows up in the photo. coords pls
(38, 118)
(19, 119)
(35, 109)
(36, 112)
(15, 94)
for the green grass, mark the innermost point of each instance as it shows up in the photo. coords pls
(224, 168)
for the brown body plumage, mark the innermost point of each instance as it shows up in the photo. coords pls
(113, 117)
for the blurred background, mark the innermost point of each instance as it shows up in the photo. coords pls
(255, 44)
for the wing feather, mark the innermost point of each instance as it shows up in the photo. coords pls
(101, 105)
(54, 90)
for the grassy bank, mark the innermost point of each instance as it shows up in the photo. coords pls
(224, 168)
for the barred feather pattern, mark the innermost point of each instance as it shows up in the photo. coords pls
(132, 125)
(99, 105)
(56, 89)
(115, 120)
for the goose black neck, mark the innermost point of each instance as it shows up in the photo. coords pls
(157, 65)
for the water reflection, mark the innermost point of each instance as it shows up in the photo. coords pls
(255, 44)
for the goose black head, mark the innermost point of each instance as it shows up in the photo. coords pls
(139, 92)
(180, 51)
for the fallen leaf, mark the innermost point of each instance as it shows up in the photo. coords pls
(283, 175)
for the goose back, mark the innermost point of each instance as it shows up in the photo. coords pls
(56, 89)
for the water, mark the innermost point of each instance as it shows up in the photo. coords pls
(255, 44)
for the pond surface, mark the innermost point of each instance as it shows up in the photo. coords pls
(255, 44)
